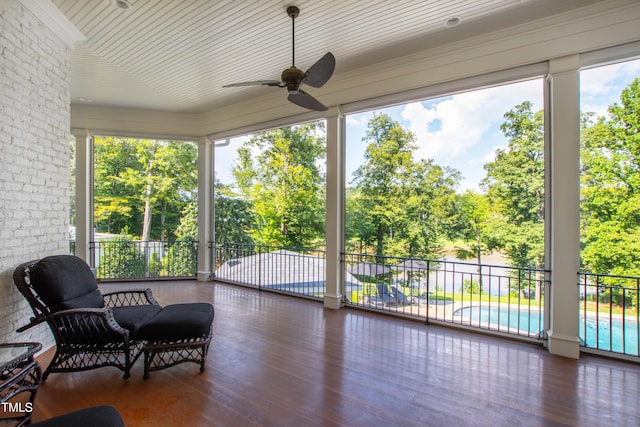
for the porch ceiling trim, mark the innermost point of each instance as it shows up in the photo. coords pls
(429, 73)
(55, 20)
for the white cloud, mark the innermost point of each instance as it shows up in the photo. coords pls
(359, 120)
(601, 86)
(448, 129)
(607, 79)
(225, 158)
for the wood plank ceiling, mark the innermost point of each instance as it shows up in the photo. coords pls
(176, 55)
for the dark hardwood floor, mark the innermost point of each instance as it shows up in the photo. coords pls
(282, 361)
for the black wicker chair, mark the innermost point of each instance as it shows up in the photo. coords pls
(91, 329)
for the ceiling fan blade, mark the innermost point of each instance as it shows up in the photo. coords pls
(321, 71)
(256, 83)
(303, 99)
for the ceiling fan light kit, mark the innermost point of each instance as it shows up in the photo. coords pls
(292, 78)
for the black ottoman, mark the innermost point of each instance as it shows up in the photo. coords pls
(97, 416)
(178, 333)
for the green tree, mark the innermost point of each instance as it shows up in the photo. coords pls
(169, 180)
(182, 258)
(429, 196)
(135, 178)
(610, 188)
(233, 221)
(515, 182)
(116, 200)
(360, 232)
(188, 226)
(473, 213)
(387, 162)
(398, 206)
(278, 173)
(472, 287)
(121, 259)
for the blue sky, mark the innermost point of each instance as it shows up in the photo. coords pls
(463, 130)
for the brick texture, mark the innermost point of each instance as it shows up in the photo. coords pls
(34, 157)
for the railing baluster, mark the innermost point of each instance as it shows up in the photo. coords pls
(617, 333)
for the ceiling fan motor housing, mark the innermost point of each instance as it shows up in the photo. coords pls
(293, 12)
(292, 77)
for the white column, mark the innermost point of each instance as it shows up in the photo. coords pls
(205, 209)
(565, 205)
(335, 208)
(84, 193)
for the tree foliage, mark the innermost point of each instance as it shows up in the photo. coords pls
(137, 179)
(610, 188)
(473, 225)
(233, 220)
(182, 258)
(120, 258)
(188, 225)
(515, 183)
(116, 202)
(398, 205)
(278, 173)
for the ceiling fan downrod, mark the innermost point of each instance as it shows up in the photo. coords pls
(293, 12)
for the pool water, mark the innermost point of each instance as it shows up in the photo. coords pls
(609, 335)
(515, 320)
(602, 333)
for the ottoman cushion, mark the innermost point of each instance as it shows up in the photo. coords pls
(134, 317)
(179, 321)
(97, 416)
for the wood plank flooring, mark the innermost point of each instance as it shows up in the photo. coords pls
(283, 361)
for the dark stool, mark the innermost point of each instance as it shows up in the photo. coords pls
(97, 416)
(178, 333)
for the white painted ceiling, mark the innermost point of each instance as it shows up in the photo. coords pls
(175, 55)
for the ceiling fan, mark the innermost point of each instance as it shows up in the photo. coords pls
(292, 78)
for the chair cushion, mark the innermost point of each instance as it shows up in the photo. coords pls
(97, 416)
(91, 300)
(134, 317)
(65, 281)
(179, 321)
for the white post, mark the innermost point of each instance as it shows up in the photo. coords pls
(335, 208)
(205, 211)
(565, 205)
(84, 193)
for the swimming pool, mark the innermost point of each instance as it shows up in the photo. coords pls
(600, 333)
(516, 319)
(609, 335)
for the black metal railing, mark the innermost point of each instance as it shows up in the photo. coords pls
(497, 298)
(293, 271)
(120, 259)
(493, 297)
(609, 313)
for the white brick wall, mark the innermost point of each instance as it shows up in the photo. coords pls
(34, 157)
